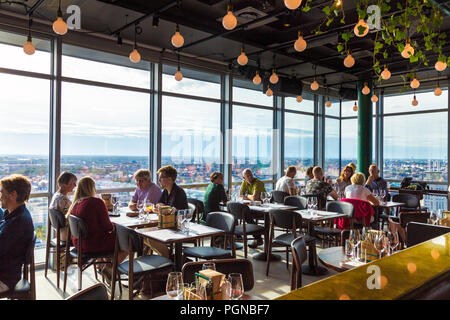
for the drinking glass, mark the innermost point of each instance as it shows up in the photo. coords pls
(181, 220)
(175, 286)
(355, 238)
(263, 198)
(349, 249)
(393, 242)
(381, 244)
(382, 194)
(268, 197)
(140, 207)
(188, 214)
(209, 265)
(309, 204)
(201, 291)
(236, 286)
(375, 193)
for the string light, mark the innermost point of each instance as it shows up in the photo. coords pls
(177, 38)
(300, 44)
(292, 4)
(374, 98)
(440, 65)
(338, 3)
(386, 74)
(257, 78)
(415, 83)
(299, 98)
(437, 91)
(59, 25)
(178, 76)
(328, 103)
(274, 77)
(269, 92)
(242, 59)
(408, 51)
(349, 61)
(28, 47)
(315, 85)
(365, 90)
(135, 56)
(229, 21)
(355, 107)
(361, 24)
(415, 102)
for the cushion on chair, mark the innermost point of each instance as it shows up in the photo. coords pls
(249, 229)
(328, 230)
(207, 252)
(287, 238)
(146, 264)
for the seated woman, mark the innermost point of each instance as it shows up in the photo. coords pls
(344, 179)
(101, 235)
(357, 190)
(146, 189)
(215, 194)
(60, 201)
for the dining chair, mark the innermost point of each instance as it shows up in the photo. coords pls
(240, 212)
(79, 230)
(128, 240)
(225, 266)
(328, 233)
(412, 202)
(417, 232)
(199, 209)
(25, 289)
(297, 201)
(291, 221)
(399, 224)
(57, 221)
(299, 256)
(96, 292)
(279, 196)
(219, 220)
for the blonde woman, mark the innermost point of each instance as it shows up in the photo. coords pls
(358, 191)
(60, 201)
(344, 179)
(101, 234)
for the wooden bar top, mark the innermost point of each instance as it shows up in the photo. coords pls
(401, 273)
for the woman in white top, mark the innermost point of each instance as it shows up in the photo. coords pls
(357, 190)
(60, 201)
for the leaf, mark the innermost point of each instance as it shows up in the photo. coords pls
(413, 59)
(399, 6)
(385, 54)
(361, 30)
(306, 8)
(343, 21)
(327, 10)
(346, 36)
(340, 48)
(329, 22)
(378, 45)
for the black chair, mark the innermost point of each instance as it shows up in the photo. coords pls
(240, 212)
(299, 256)
(296, 201)
(417, 232)
(25, 289)
(328, 233)
(219, 220)
(79, 230)
(143, 265)
(57, 221)
(412, 202)
(278, 196)
(199, 210)
(400, 224)
(225, 266)
(95, 292)
(291, 221)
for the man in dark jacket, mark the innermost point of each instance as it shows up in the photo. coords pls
(16, 229)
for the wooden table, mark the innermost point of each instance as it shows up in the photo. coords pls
(134, 222)
(244, 297)
(332, 258)
(170, 236)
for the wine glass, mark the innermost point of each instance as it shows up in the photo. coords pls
(140, 207)
(393, 241)
(355, 238)
(349, 249)
(315, 203)
(375, 193)
(209, 265)
(188, 214)
(263, 198)
(309, 204)
(382, 195)
(236, 286)
(181, 220)
(175, 286)
(381, 243)
(268, 197)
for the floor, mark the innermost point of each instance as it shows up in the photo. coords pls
(276, 284)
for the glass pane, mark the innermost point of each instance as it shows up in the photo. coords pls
(251, 96)
(427, 101)
(191, 140)
(252, 142)
(333, 110)
(196, 193)
(416, 146)
(38, 208)
(347, 109)
(24, 129)
(435, 203)
(299, 142)
(105, 133)
(332, 147)
(349, 141)
(13, 57)
(306, 105)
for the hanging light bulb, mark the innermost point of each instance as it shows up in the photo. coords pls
(299, 98)
(408, 51)
(415, 102)
(415, 83)
(229, 21)
(386, 74)
(274, 77)
(28, 47)
(178, 76)
(134, 55)
(338, 3)
(59, 26)
(374, 98)
(315, 85)
(300, 44)
(361, 24)
(328, 103)
(177, 38)
(242, 59)
(292, 4)
(269, 92)
(257, 78)
(355, 107)
(349, 61)
(440, 65)
(365, 90)
(437, 91)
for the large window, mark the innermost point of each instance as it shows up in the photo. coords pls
(332, 168)
(349, 141)
(306, 105)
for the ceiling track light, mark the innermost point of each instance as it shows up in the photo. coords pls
(119, 39)
(59, 25)
(28, 47)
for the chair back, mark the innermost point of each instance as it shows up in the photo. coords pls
(29, 253)
(417, 193)
(238, 210)
(296, 201)
(410, 200)
(78, 227)
(362, 212)
(221, 220)
(95, 292)
(341, 207)
(285, 219)
(299, 256)
(28, 267)
(225, 266)
(199, 208)
(406, 217)
(278, 196)
(420, 232)
(57, 218)
(128, 240)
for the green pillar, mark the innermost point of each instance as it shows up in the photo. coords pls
(365, 115)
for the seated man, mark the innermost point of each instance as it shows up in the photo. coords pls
(251, 189)
(146, 189)
(320, 188)
(374, 181)
(287, 183)
(16, 229)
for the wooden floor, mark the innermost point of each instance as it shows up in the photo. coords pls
(270, 287)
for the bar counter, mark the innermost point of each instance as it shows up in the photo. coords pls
(404, 272)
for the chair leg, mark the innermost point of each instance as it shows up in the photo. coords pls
(58, 265)
(245, 246)
(130, 286)
(287, 258)
(66, 263)
(95, 273)
(47, 254)
(293, 270)
(269, 251)
(80, 273)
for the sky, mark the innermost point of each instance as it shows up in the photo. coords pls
(105, 121)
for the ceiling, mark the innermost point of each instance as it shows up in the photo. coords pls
(268, 43)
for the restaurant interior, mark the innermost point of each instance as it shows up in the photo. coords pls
(323, 124)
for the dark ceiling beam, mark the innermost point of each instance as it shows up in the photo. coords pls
(34, 7)
(146, 16)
